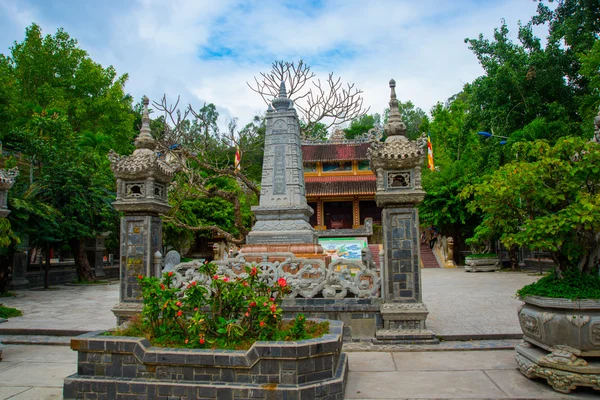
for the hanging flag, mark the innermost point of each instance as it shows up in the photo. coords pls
(238, 159)
(429, 152)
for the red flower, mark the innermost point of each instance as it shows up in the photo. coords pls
(216, 277)
(247, 314)
(194, 283)
(265, 304)
(186, 341)
(272, 299)
(140, 276)
(170, 273)
(226, 279)
(201, 340)
(282, 282)
(254, 271)
(196, 309)
(262, 323)
(273, 308)
(179, 313)
(162, 286)
(245, 283)
(178, 304)
(253, 304)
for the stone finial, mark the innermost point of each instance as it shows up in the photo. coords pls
(145, 139)
(394, 126)
(282, 102)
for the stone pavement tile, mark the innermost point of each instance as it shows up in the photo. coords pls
(516, 385)
(32, 373)
(7, 364)
(9, 391)
(39, 393)
(421, 384)
(455, 360)
(371, 361)
(43, 354)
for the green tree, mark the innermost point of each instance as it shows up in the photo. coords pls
(547, 200)
(359, 126)
(68, 111)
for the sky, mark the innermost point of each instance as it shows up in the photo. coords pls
(206, 50)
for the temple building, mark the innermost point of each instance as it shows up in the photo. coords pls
(340, 186)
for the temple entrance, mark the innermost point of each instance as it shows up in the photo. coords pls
(338, 214)
(369, 209)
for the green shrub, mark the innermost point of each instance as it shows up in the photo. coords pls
(573, 285)
(483, 255)
(225, 312)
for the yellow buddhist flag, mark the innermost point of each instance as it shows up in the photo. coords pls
(429, 153)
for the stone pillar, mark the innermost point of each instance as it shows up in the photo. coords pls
(397, 166)
(94, 249)
(19, 272)
(142, 183)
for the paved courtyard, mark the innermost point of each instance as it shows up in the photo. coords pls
(460, 304)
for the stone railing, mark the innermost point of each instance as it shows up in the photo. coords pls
(307, 278)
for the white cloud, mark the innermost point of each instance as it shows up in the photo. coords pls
(160, 44)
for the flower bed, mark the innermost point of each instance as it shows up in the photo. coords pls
(212, 314)
(124, 367)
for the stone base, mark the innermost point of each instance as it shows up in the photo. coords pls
(125, 311)
(405, 336)
(561, 368)
(404, 323)
(276, 252)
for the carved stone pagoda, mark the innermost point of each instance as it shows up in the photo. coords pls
(142, 186)
(282, 216)
(397, 165)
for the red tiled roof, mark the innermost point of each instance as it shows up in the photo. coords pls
(340, 185)
(334, 152)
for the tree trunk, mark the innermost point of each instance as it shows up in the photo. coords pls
(5, 266)
(513, 255)
(47, 267)
(85, 272)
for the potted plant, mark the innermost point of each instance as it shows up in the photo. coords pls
(222, 336)
(552, 197)
(481, 259)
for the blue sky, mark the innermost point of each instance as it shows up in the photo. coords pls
(206, 50)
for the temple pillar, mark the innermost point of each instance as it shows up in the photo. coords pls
(396, 163)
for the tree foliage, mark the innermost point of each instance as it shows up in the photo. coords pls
(547, 200)
(65, 113)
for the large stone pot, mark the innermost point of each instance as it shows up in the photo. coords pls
(124, 367)
(562, 342)
(482, 264)
(548, 322)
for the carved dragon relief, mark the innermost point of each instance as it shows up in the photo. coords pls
(306, 278)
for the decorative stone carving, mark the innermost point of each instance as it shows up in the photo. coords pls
(171, 260)
(7, 180)
(562, 369)
(306, 278)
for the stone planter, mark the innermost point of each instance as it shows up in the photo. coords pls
(562, 342)
(482, 264)
(548, 322)
(125, 367)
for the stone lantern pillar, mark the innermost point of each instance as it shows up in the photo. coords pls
(397, 165)
(7, 180)
(142, 183)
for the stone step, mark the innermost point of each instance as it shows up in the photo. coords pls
(405, 336)
(427, 257)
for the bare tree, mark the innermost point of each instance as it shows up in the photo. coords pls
(330, 102)
(204, 161)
